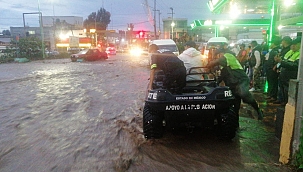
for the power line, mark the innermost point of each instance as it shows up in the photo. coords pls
(10, 18)
(132, 23)
(142, 22)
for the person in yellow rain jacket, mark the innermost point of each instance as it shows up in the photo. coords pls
(289, 67)
(236, 79)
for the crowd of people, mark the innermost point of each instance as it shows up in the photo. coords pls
(240, 69)
(278, 65)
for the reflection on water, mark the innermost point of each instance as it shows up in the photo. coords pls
(88, 117)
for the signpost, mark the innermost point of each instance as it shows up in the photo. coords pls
(73, 41)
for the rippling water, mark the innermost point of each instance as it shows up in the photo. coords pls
(61, 116)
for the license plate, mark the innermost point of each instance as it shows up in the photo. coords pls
(190, 107)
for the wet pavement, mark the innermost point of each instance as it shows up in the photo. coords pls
(61, 116)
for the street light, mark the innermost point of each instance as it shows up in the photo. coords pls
(96, 34)
(172, 30)
(129, 35)
(93, 31)
(172, 22)
(289, 3)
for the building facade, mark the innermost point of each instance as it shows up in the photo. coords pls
(72, 21)
(175, 31)
(57, 31)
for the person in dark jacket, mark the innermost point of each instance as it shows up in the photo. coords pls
(289, 66)
(286, 44)
(236, 79)
(172, 67)
(271, 71)
(254, 60)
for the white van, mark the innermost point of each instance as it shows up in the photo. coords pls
(167, 44)
(216, 41)
(212, 43)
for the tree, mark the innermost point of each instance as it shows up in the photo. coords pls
(97, 20)
(6, 33)
(29, 47)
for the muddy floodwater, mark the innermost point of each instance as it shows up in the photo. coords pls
(60, 116)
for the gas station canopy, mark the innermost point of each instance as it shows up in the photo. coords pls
(244, 6)
(289, 12)
(275, 14)
(238, 22)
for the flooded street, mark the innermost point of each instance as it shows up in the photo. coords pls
(60, 116)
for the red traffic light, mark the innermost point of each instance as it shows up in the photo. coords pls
(141, 34)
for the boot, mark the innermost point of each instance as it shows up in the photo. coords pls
(260, 114)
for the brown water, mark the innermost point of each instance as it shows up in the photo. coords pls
(61, 116)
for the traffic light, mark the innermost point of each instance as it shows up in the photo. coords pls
(141, 34)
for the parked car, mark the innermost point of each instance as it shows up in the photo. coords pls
(51, 53)
(211, 45)
(74, 50)
(111, 50)
(89, 55)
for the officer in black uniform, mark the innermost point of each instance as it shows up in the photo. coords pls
(236, 79)
(173, 68)
(271, 70)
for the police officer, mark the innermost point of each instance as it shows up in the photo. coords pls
(236, 79)
(271, 71)
(289, 67)
(173, 68)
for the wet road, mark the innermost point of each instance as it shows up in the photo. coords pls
(56, 115)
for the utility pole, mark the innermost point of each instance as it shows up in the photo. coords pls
(53, 9)
(41, 30)
(96, 42)
(159, 24)
(172, 14)
(54, 29)
(155, 27)
(130, 28)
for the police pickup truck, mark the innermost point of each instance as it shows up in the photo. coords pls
(203, 103)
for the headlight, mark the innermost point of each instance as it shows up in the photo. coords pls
(136, 51)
